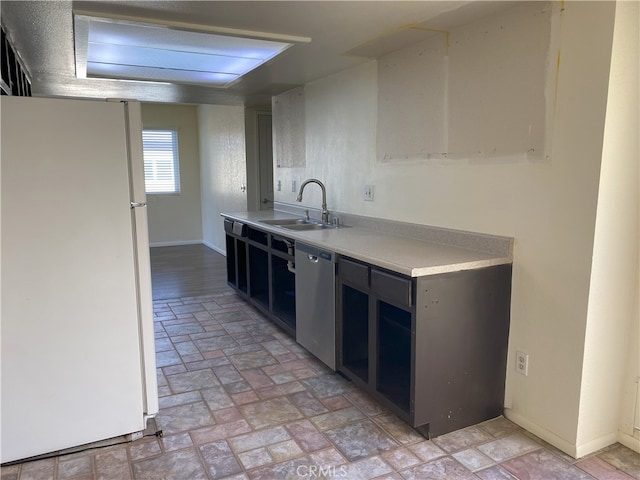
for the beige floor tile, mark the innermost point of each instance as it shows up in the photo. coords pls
(337, 418)
(269, 413)
(285, 450)
(508, 447)
(400, 458)
(255, 458)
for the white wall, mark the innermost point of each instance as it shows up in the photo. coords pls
(177, 219)
(612, 320)
(547, 205)
(222, 168)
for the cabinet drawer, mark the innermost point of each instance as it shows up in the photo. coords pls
(392, 287)
(353, 272)
(235, 228)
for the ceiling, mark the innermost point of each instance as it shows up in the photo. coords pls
(343, 34)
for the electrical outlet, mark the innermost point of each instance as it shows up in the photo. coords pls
(367, 194)
(522, 363)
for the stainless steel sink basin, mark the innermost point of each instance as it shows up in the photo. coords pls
(307, 226)
(287, 221)
(298, 224)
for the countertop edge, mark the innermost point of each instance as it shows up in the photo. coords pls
(483, 260)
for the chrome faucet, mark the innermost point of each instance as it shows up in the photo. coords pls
(325, 212)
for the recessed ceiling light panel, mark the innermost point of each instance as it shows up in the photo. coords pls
(123, 49)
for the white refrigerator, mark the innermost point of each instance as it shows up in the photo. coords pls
(76, 325)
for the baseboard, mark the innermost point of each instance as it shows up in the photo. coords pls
(175, 244)
(213, 247)
(594, 445)
(546, 435)
(189, 242)
(575, 451)
(628, 441)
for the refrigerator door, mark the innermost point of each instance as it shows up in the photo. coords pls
(142, 257)
(70, 336)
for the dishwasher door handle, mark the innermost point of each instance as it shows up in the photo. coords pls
(312, 258)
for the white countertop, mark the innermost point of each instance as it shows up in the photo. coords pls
(408, 256)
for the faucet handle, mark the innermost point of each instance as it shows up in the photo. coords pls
(306, 215)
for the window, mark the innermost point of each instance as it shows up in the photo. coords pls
(161, 169)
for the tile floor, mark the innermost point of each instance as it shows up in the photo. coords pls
(240, 400)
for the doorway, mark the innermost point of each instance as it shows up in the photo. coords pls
(259, 148)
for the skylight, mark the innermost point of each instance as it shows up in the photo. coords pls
(123, 49)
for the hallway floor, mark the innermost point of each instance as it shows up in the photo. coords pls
(239, 399)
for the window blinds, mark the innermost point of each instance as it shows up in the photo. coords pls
(161, 169)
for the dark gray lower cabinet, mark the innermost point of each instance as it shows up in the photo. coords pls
(258, 268)
(237, 263)
(433, 349)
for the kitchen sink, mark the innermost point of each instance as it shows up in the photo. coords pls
(298, 224)
(287, 221)
(307, 226)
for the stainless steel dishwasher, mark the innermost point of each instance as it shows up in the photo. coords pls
(315, 302)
